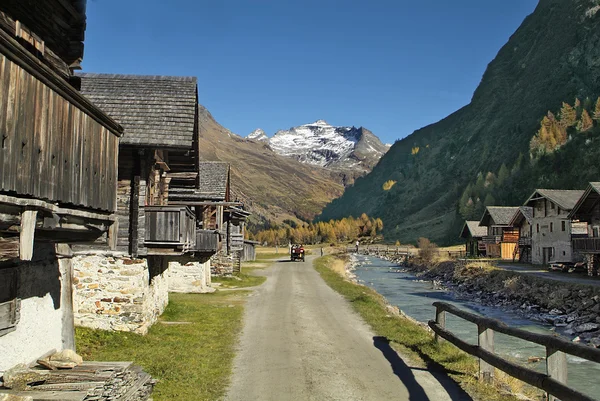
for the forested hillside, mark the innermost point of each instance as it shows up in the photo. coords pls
(419, 186)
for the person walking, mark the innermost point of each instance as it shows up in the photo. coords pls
(357, 244)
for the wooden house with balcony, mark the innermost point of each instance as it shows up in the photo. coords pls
(502, 238)
(473, 234)
(159, 114)
(552, 229)
(158, 155)
(523, 221)
(58, 174)
(587, 212)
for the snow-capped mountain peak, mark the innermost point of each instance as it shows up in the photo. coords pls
(325, 145)
(258, 135)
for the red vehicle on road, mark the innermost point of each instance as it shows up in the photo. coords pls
(297, 253)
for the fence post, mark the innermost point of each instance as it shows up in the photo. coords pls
(440, 319)
(485, 342)
(556, 367)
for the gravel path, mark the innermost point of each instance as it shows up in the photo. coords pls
(302, 341)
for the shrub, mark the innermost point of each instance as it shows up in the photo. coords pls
(427, 249)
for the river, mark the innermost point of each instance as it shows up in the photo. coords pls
(415, 298)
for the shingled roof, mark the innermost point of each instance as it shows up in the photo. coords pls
(498, 215)
(473, 229)
(587, 201)
(565, 199)
(155, 111)
(522, 213)
(213, 178)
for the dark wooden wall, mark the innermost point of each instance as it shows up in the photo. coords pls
(50, 149)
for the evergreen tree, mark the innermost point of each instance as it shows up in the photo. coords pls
(585, 123)
(597, 110)
(503, 174)
(489, 200)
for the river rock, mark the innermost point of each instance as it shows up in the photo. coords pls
(12, 397)
(556, 311)
(582, 328)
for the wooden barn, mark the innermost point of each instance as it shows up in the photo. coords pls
(473, 234)
(58, 174)
(216, 212)
(502, 238)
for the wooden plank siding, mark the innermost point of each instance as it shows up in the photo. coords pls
(71, 157)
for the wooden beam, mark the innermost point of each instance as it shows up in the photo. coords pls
(28, 219)
(113, 235)
(9, 248)
(46, 206)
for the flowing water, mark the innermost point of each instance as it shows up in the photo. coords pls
(415, 298)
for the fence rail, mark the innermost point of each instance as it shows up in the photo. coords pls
(553, 382)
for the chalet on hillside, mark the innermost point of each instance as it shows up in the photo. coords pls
(587, 211)
(58, 174)
(502, 238)
(552, 228)
(159, 148)
(473, 233)
(523, 221)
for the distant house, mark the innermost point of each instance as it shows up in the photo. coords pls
(502, 238)
(58, 174)
(157, 238)
(587, 212)
(551, 226)
(473, 233)
(523, 221)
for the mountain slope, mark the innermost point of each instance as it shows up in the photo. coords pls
(272, 186)
(553, 57)
(321, 144)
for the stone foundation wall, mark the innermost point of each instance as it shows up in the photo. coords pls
(222, 264)
(116, 292)
(190, 275)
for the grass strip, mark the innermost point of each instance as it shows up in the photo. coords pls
(192, 360)
(409, 338)
(239, 280)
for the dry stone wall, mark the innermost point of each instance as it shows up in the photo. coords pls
(190, 276)
(116, 292)
(221, 264)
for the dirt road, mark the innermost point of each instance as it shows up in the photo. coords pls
(302, 341)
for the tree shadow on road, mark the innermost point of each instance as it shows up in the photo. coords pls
(406, 375)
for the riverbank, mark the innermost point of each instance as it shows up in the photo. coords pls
(573, 310)
(410, 338)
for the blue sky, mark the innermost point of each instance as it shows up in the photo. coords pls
(390, 66)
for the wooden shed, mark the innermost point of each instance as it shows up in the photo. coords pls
(473, 234)
(502, 238)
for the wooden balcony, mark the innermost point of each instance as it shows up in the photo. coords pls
(170, 230)
(492, 239)
(586, 245)
(524, 241)
(207, 241)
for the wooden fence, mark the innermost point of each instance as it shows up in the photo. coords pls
(553, 382)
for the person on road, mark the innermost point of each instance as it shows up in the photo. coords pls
(357, 244)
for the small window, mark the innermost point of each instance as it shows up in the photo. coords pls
(537, 228)
(563, 225)
(552, 206)
(551, 226)
(564, 253)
